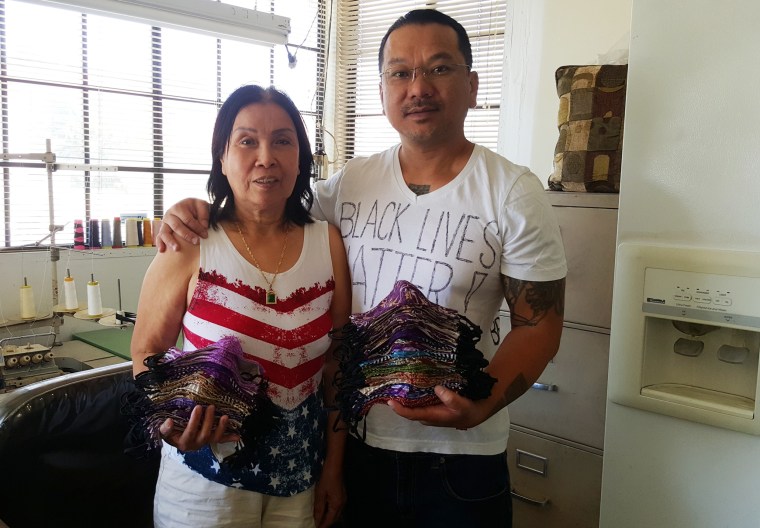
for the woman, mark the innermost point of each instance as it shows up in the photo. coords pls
(277, 280)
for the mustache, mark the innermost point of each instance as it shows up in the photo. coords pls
(420, 104)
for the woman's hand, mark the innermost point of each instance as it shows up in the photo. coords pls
(329, 497)
(199, 431)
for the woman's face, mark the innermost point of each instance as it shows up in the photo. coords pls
(261, 160)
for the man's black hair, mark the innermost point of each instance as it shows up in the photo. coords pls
(424, 17)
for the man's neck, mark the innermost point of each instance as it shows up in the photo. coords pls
(426, 169)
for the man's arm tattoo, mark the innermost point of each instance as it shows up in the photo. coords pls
(517, 388)
(539, 298)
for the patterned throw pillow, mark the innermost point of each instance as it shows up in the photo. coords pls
(590, 120)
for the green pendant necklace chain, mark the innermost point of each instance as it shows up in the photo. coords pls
(271, 296)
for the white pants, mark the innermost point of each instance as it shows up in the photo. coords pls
(186, 499)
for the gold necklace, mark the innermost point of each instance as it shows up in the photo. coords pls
(271, 296)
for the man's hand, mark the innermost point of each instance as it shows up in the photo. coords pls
(187, 219)
(453, 411)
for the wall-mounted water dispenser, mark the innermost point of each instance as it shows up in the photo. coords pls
(686, 334)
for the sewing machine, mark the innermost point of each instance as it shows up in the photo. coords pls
(22, 364)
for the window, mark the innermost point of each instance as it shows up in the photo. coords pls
(128, 108)
(361, 128)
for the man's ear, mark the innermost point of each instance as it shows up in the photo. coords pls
(474, 83)
(382, 96)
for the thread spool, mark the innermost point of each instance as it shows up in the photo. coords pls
(78, 234)
(94, 303)
(93, 237)
(139, 223)
(105, 227)
(147, 232)
(132, 232)
(70, 301)
(156, 228)
(117, 243)
(27, 302)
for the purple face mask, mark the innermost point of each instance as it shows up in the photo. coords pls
(219, 374)
(401, 349)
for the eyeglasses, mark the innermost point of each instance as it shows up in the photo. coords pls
(398, 76)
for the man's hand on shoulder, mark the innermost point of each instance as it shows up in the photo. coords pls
(187, 219)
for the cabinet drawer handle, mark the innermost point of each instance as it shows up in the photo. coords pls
(551, 387)
(539, 503)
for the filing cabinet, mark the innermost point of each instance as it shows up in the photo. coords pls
(553, 483)
(556, 442)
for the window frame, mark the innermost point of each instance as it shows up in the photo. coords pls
(361, 26)
(16, 166)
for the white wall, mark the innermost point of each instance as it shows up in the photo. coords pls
(542, 35)
(128, 265)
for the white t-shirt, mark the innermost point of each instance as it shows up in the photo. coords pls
(452, 243)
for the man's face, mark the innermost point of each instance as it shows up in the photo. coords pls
(426, 108)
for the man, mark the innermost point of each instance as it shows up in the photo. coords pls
(470, 229)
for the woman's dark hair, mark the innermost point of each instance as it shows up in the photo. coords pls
(218, 187)
(424, 17)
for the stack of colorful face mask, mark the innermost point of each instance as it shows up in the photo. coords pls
(401, 349)
(219, 374)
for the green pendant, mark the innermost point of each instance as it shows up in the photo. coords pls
(271, 297)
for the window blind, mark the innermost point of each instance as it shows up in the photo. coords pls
(132, 103)
(360, 126)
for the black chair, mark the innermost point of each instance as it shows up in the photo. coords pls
(62, 459)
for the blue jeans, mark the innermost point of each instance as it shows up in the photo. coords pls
(420, 490)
